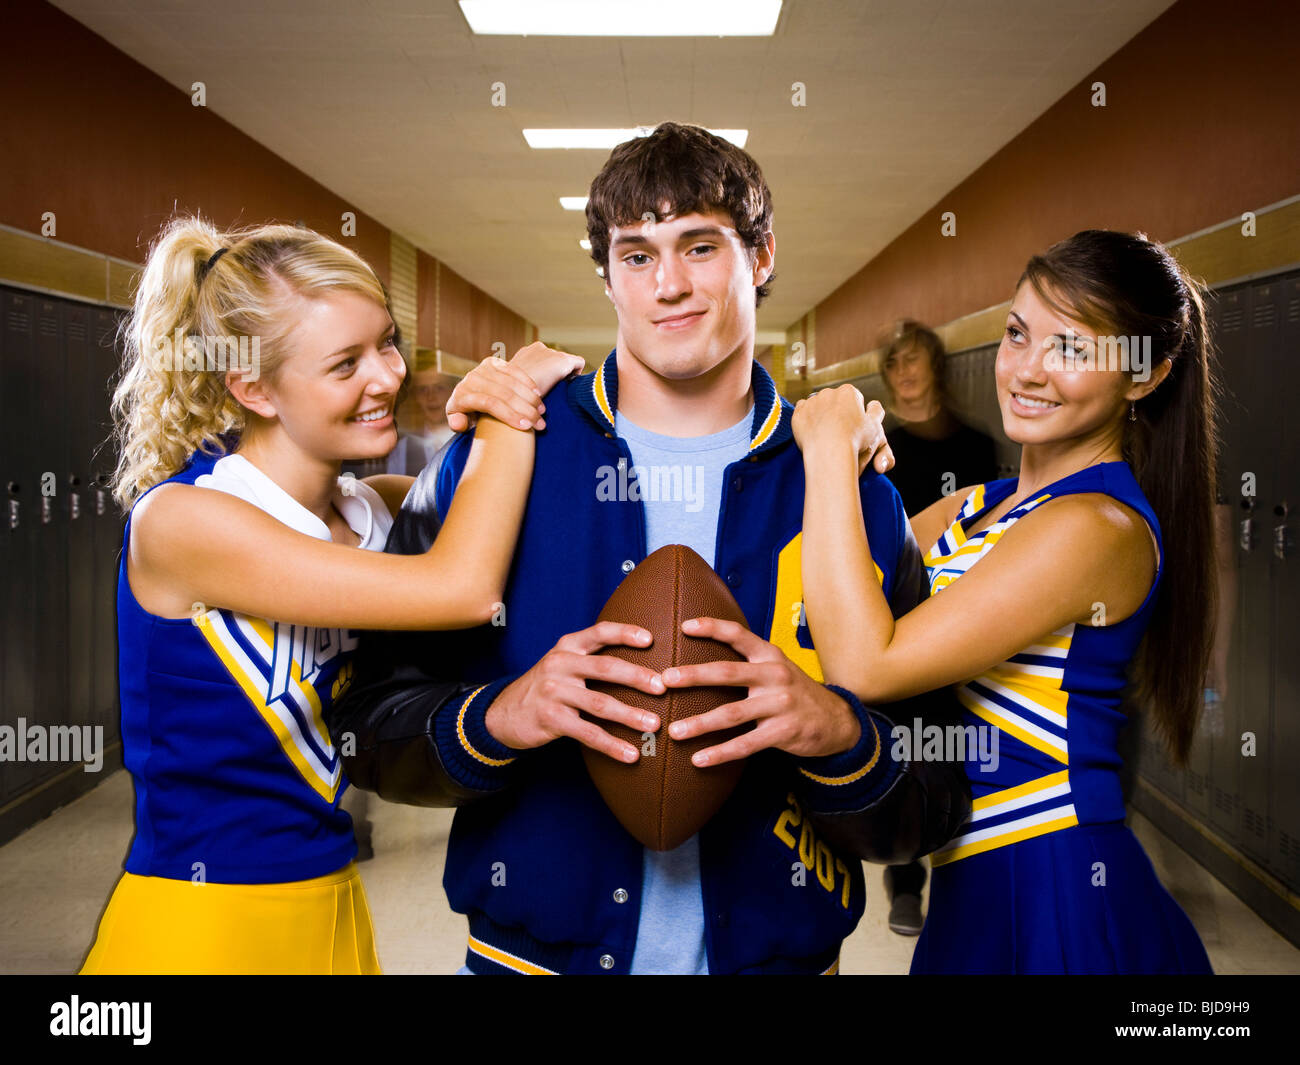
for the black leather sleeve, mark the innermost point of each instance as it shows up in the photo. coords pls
(384, 723)
(929, 800)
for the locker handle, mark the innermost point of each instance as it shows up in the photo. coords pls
(100, 482)
(1246, 534)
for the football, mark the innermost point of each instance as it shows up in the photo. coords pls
(663, 799)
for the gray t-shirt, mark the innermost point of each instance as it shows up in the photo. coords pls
(681, 487)
(680, 482)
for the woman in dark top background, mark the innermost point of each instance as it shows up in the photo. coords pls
(935, 454)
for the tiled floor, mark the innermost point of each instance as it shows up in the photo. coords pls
(55, 878)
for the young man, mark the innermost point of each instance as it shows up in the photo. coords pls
(680, 222)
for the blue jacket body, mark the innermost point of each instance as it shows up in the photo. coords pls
(548, 878)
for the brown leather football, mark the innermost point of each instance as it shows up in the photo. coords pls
(663, 799)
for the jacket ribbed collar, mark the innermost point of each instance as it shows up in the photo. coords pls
(596, 395)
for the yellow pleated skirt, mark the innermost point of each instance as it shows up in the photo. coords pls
(310, 927)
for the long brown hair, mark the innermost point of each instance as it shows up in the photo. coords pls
(1134, 286)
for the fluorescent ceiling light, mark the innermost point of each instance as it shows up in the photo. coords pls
(622, 18)
(609, 138)
(573, 203)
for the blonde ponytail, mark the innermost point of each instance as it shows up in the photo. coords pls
(172, 398)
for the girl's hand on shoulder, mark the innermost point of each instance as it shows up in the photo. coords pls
(546, 366)
(510, 391)
(837, 418)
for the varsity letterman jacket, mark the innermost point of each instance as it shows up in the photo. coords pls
(550, 881)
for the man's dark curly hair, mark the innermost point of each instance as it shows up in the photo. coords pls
(687, 168)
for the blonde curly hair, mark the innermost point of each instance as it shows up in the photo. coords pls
(166, 408)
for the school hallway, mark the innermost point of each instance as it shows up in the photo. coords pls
(886, 214)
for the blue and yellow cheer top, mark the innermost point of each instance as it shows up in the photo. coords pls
(1045, 877)
(236, 779)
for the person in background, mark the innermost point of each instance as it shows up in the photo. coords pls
(935, 453)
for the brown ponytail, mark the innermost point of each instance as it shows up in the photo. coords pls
(1132, 284)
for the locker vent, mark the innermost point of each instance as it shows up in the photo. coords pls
(1293, 309)
(1232, 320)
(1265, 315)
(1254, 823)
(1223, 800)
(18, 322)
(1196, 782)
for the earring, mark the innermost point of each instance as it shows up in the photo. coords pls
(1132, 412)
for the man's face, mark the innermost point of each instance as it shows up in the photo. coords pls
(910, 373)
(683, 288)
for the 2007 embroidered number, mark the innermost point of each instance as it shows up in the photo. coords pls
(813, 853)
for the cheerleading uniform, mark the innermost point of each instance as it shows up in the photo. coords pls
(242, 855)
(1045, 877)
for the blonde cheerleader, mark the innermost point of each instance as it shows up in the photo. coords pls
(259, 360)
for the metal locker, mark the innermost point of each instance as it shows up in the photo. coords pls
(963, 381)
(78, 425)
(1259, 436)
(1217, 729)
(957, 379)
(19, 588)
(107, 523)
(1284, 500)
(1220, 727)
(8, 563)
(1209, 770)
(1214, 756)
(50, 525)
(1154, 765)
